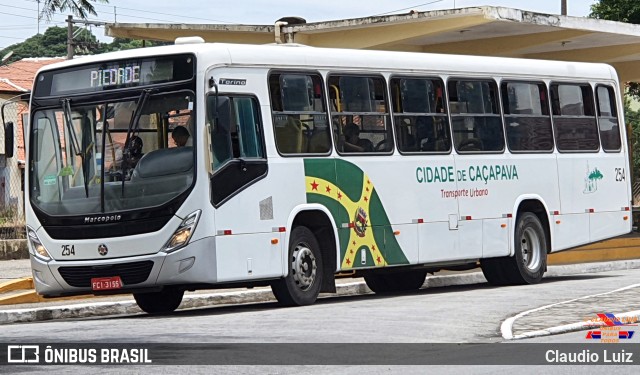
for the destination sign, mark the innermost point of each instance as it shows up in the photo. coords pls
(113, 75)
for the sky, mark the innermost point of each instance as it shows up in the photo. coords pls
(19, 18)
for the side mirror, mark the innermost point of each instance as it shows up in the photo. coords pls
(8, 139)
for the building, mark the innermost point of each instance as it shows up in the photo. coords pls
(16, 80)
(488, 31)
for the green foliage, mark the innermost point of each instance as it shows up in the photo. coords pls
(80, 8)
(633, 119)
(53, 43)
(121, 44)
(616, 10)
(621, 11)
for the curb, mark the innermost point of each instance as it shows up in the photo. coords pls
(96, 309)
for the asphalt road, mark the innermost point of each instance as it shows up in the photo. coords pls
(455, 314)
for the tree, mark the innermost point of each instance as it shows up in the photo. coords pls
(616, 10)
(80, 8)
(622, 11)
(53, 43)
(633, 119)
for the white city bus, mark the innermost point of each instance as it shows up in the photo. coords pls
(304, 162)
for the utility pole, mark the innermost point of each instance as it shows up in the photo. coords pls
(70, 37)
(38, 15)
(563, 7)
(71, 44)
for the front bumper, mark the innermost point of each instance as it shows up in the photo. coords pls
(193, 264)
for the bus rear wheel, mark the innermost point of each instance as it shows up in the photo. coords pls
(302, 284)
(162, 302)
(528, 264)
(395, 282)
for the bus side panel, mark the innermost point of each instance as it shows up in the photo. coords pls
(406, 236)
(253, 216)
(495, 237)
(438, 242)
(370, 198)
(582, 178)
(492, 184)
(418, 189)
(249, 256)
(612, 200)
(607, 224)
(572, 230)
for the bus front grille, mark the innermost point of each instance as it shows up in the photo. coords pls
(130, 273)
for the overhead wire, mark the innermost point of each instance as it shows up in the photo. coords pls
(411, 7)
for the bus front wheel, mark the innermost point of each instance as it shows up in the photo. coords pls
(302, 284)
(161, 302)
(528, 264)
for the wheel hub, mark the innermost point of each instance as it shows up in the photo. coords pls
(530, 247)
(303, 266)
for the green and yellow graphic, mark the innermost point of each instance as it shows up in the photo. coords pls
(365, 233)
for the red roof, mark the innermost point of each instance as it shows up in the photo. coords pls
(18, 76)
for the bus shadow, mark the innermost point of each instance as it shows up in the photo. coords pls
(328, 299)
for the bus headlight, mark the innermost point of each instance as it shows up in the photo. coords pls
(182, 235)
(37, 248)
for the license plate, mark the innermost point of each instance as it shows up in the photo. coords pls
(106, 283)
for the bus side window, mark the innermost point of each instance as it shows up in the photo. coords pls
(573, 117)
(247, 140)
(299, 114)
(360, 114)
(421, 122)
(477, 124)
(527, 119)
(220, 131)
(608, 119)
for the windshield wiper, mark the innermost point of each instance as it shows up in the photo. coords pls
(75, 145)
(133, 126)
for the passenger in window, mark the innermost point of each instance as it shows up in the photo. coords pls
(131, 155)
(353, 142)
(180, 136)
(425, 134)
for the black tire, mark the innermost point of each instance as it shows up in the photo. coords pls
(528, 264)
(395, 282)
(302, 284)
(162, 302)
(493, 270)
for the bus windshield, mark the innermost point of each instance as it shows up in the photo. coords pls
(111, 156)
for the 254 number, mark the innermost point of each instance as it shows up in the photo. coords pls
(620, 174)
(68, 250)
